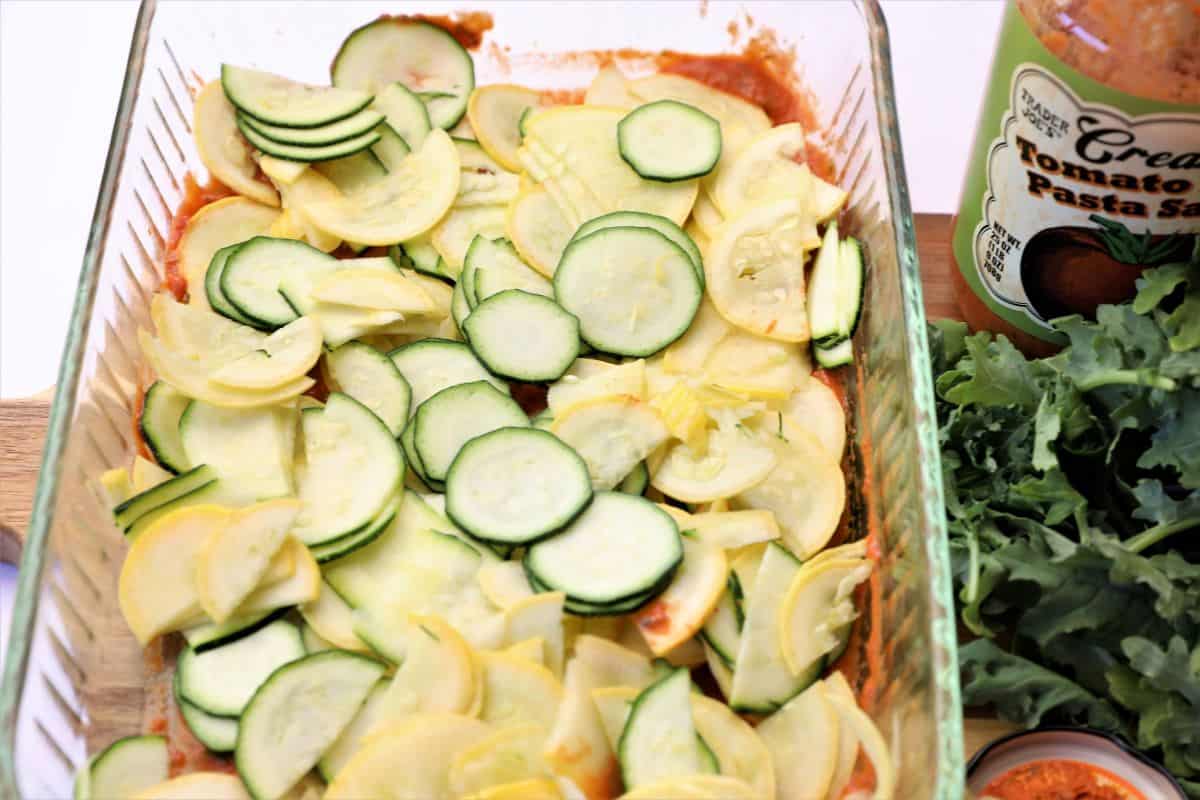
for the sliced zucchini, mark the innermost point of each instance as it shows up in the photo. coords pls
(618, 548)
(279, 101)
(252, 275)
(130, 511)
(431, 365)
(332, 133)
(495, 112)
(283, 357)
(352, 174)
(405, 113)
(353, 469)
(460, 308)
(537, 228)
(762, 681)
(250, 449)
(635, 482)
(835, 293)
(297, 714)
(391, 149)
(803, 738)
(723, 630)
(633, 290)
(491, 267)
(638, 219)
(839, 355)
(659, 739)
(421, 255)
(218, 734)
(412, 199)
(669, 141)
(214, 634)
(612, 435)
(371, 378)
(222, 680)
(345, 545)
(516, 485)
(418, 54)
(162, 408)
(223, 150)
(127, 766)
(351, 739)
(226, 222)
(305, 153)
(212, 289)
(523, 336)
(454, 416)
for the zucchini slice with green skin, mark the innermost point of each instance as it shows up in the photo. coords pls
(404, 112)
(421, 256)
(391, 149)
(635, 482)
(253, 273)
(618, 549)
(723, 630)
(216, 634)
(344, 546)
(460, 309)
(640, 219)
(523, 336)
(422, 56)
(216, 298)
(454, 416)
(414, 459)
(506, 270)
(162, 407)
(127, 766)
(218, 734)
(659, 739)
(516, 486)
(669, 141)
(277, 100)
(221, 681)
(305, 153)
(353, 174)
(839, 355)
(633, 290)
(145, 502)
(354, 468)
(371, 378)
(835, 290)
(297, 714)
(431, 365)
(353, 125)
(251, 449)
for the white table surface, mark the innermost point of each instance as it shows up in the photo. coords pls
(50, 171)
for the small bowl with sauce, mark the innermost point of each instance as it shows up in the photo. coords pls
(1066, 764)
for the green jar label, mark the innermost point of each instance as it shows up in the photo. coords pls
(1074, 188)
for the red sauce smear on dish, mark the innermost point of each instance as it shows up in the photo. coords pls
(655, 618)
(195, 197)
(1060, 779)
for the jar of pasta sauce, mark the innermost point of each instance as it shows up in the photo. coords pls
(1086, 164)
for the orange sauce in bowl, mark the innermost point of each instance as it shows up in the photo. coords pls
(1060, 779)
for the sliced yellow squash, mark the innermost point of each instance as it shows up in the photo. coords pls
(681, 610)
(537, 228)
(580, 142)
(495, 113)
(281, 170)
(283, 357)
(372, 288)
(612, 435)
(610, 88)
(534, 789)
(157, 587)
(739, 750)
(756, 367)
(517, 691)
(438, 673)
(733, 529)
(412, 761)
(224, 151)
(818, 606)
(696, 787)
(287, 226)
(540, 616)
(613, 704)
(511, 754)
(311, 188)
(755, 270)
(116, 486)
(688, 354)
(578, 747)
(591, 378)
(531, 649)
(803, 739)
(504, 584)
(836, 684)
(707, 217)
(806, 489)
(405, 204)
(145, 475)
(767, 169)
(482, 181)
(333, 620)
(868, 735)
(197, 786)
(816, 408)
(302, 586)
(453, 234)
(733, 462)
(613, 665)
(219, 224)
(235, 556)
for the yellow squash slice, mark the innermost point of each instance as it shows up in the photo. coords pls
(197, 786)
(517, 691)
(869, 737)
(236, 556)
(612, 435)
(540, 616)
(532, 649)
(333, 620)
(681, 610)
(225, 152)
(803, 739)
(613, 665)
(535, 789)
(482, 181)
(283, 357)
(453, 234)
(739, 750)
(818, 605)
(610, 88)
(405, 204)
(755, 270)
(302, 586)
(591, 378)
(696, 787)
(504, 584)
(537, 228)
(374, 289)
(216, 225)
(837, 685)
(438, 673)
(411, 761)
(578, 747)
(157, 588)
(734, 529)
(511, 754)
(281, 170)
(495, 112)
(733, 462)
(189, 379)
(816, 408)
(307, 189)
(145, 475)
(767, 169)
(806, 489)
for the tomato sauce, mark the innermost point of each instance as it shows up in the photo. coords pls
(195, 197)
(1060, 779)
(654, 618)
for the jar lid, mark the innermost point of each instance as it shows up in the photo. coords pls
(1081, 745)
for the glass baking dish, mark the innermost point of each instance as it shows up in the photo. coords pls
(74, 679)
